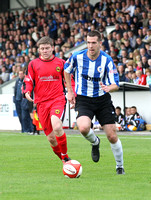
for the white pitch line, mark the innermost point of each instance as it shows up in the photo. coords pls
(131, 137)
(141, 137)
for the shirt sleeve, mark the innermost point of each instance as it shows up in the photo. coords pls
(112, 76)
(69, 65)
(29, 79)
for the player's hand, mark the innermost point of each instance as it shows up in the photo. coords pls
(71, 99)
(27, 95)
(104, 87)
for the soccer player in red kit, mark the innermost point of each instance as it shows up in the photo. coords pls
(45, 75)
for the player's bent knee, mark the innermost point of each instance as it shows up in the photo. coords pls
(84, 130)
(112, 138)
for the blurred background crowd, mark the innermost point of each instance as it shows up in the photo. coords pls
(128, 42)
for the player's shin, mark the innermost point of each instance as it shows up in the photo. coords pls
(62, 142)
(118, 153)
(56, 150)
(91, 137)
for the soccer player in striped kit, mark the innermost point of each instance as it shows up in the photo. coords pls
(45, 74)
(95, 76)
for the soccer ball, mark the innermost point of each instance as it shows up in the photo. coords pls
(72, 169)
(118, 127)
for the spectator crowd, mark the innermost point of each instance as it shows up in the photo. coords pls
(129, 42)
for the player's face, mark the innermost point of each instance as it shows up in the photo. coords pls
(93, 47)
(45, 51)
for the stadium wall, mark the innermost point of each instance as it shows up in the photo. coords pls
(141, 99)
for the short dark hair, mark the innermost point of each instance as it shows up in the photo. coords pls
(45, 40)
(134, 107)
(119, 108)
(95, 33)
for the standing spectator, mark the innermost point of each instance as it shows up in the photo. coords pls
(22, 106)
(48, 95)
(93, 97)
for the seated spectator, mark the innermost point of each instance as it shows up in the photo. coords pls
(24, 48)
(57, 49)
(139, 43)
(129, 66)
(12, 63)
(129, 77)
(136, 123)
(61, 55)
(147, 38)
(7, 63)
(148, 49)
(134, 113)
(149, 63)
(148, 78)
(134, 77)
(127, 114)
(14, 73)
(139, 66)
(141, 78)
(122, 77)
(4, 75)
(119, 118)
(79, 41)
(132, 38)
(143, 53)
(1, 81)
(1, 64)
(144, 64)
(128, 46)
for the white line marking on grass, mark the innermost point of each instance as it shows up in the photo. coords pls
(131, 137)
(18, 134)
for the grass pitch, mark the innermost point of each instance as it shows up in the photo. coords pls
(30, 171)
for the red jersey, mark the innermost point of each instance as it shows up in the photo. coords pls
(46, 77)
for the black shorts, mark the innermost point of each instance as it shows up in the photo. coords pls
(101, 107)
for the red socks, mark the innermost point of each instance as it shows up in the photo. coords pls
(62, 143)
(57, 151)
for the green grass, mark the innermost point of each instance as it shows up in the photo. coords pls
(30, 171)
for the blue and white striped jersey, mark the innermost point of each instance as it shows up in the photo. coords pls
(89, 73)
